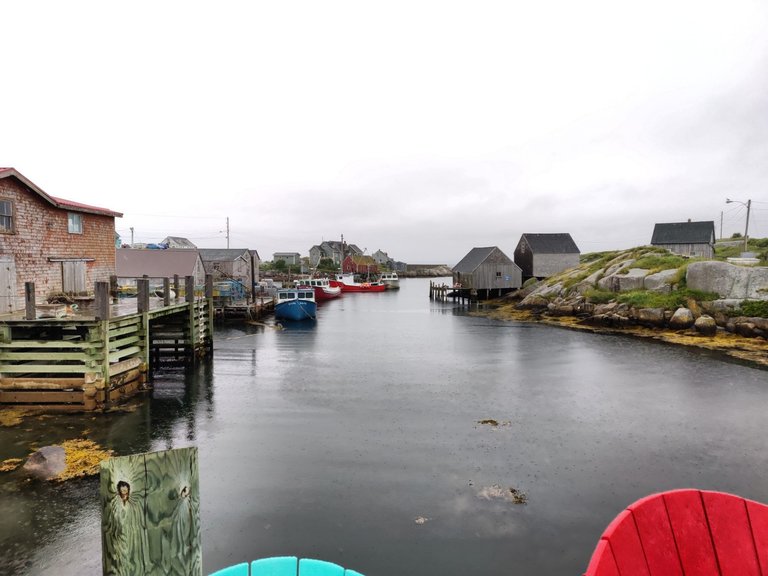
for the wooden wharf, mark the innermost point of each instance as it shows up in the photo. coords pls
(444, 292)
(92, 358)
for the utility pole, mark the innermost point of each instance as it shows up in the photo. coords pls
(746, 227)
(131, 236)
(227, 232)
(721, 224)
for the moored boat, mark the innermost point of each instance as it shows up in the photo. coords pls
(348, 283)
(391, 279)
(322, 287)
(295, 303)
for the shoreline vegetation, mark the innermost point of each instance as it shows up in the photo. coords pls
(648, 292)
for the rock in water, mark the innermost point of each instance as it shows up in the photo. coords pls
(705, 325)
(681, 319)
(46, 463)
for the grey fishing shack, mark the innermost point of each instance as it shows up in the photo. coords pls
(686, 238)
(487, 272)
(544, 255)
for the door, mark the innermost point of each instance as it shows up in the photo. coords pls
(7, 284)
(73, 277)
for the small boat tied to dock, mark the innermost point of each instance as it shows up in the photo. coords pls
(297, 303)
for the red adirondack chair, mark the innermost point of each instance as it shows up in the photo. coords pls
(685, 533)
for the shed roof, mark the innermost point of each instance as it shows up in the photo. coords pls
(133, 263)
(558, 243)
(475, 258)
(684, 233)
(180, 242)
(223, 254)
(55, 201)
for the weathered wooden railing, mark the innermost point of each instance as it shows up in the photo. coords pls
(90, 362)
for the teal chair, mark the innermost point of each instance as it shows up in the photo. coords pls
(236, 570)
(275, 566)
(286, 566)
(310, 567)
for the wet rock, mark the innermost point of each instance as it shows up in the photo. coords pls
(681, 319)
(560, 309)
(746, 329)
(705, 325)
(651, 317)
(46, 463)
(727, 280)
(534, 301)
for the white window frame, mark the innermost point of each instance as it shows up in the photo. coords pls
(74, 223)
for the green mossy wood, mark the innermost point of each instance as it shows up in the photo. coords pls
(151, 514)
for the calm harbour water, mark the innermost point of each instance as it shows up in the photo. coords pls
(356, 439)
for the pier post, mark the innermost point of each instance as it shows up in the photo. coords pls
(142, 295)
(209, 308)
(101, 295)
(189, 297)
(166, 292)
(29, 301)
(176, 285)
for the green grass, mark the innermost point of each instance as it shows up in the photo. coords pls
(597, 296)
(756, 308)
(671, 301)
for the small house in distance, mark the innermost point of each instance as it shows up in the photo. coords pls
(230, 264)
(157, 265)
(544, 255)
(686, 238)
(487, 272)
(178, 242)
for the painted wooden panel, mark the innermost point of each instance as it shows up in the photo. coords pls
(731, 534)
(151, 514)
(758, 519)
(689, 525)
(8, 300)
(652, 521)
(73, 276)
(626, 546)
(602, 562)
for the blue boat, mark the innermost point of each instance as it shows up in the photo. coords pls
(296, 303)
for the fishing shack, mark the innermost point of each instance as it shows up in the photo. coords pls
(486, 273)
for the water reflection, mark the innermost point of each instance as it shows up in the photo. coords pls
(332, 439)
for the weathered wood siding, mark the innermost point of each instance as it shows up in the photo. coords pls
(546, 265)
(697, 250)
(9, 299)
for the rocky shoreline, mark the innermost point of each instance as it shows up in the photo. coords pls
(600, 295)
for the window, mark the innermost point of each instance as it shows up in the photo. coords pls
(74, 223)
(6, 216)
(498, 274)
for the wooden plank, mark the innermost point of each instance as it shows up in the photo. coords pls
(11, 384)
(123, 366)
(731, 534)
(43, 368)
(758, 520)
(124, 353)
(689, 525)
(40, 397)
(117, 332)
(48, 356)
(655, 531)
(46, 344)
(602, 562)
(625, 545)
(127, 341)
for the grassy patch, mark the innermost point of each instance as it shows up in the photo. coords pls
(597, 296)
(756, 308)
(645, 299)
(658, 262)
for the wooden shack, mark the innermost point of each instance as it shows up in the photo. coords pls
(696, 239)
(132, 264)
(544, 255)
(486, 272)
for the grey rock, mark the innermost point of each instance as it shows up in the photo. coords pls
(705, 325)
(681, 319)
(661, 281)
(46, 463)
(728, 280)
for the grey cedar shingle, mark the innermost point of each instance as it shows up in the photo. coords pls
(560, 243)
(684, 233)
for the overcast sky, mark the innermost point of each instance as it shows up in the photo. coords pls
(419, 128)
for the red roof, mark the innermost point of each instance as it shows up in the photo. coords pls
(58, 202)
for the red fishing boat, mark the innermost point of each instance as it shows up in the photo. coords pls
(322, 287)
(348, 283)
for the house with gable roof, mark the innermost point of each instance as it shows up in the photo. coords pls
(60, 245)
(544, 255)
(333, 250)
(686, 238)
(485, 271)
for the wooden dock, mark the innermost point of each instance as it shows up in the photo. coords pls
(95, 357)
(444, 292)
